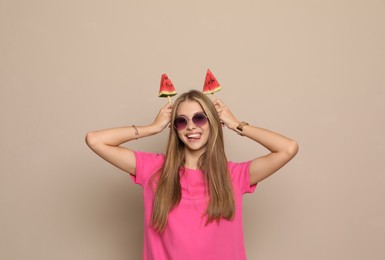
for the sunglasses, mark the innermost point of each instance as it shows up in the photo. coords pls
(199, 119)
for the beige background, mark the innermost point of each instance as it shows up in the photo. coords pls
(313, 70)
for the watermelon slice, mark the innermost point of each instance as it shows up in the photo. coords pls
(211, 84)
(166, 87)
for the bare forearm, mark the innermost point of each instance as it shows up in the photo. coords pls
(274, 142)
(119, 135)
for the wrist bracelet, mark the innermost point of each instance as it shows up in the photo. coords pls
(240, 127)
(136, 131)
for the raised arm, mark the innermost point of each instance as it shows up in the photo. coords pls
(107, 143)
(282, 149)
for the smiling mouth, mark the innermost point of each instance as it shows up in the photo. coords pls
(193, 136)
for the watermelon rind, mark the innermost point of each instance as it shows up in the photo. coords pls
(167, 93)
(211, 91)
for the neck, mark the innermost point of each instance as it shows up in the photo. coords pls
(192, 159)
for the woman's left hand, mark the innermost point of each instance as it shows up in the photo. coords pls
(226, 115)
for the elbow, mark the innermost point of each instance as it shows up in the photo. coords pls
(292, 148)
(90, 139)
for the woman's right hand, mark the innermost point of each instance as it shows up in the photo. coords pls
(163, 118)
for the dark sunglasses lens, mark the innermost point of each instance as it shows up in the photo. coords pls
(199, 119)
(180, 123)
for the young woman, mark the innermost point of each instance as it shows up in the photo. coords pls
(193, 194)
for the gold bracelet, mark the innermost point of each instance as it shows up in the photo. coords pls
(136, 131)
(240, 127)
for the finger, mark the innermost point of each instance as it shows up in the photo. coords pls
(219, 103)
(168, 105)
(218, 106)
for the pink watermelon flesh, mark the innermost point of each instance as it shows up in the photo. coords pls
(166, 87)
(211, 84)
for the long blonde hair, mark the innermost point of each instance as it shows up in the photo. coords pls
(213, 163)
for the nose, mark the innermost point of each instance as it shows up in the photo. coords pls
(190, 124)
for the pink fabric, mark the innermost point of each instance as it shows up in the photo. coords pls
(186, 236)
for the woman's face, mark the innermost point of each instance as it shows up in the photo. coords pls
(194, 136)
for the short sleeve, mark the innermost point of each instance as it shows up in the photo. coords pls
(240, 174)
(147, 164)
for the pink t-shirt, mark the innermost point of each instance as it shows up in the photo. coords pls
(186, 235)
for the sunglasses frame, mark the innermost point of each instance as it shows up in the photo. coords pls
(192, 119)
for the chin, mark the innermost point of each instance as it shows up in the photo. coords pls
(195, 146)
